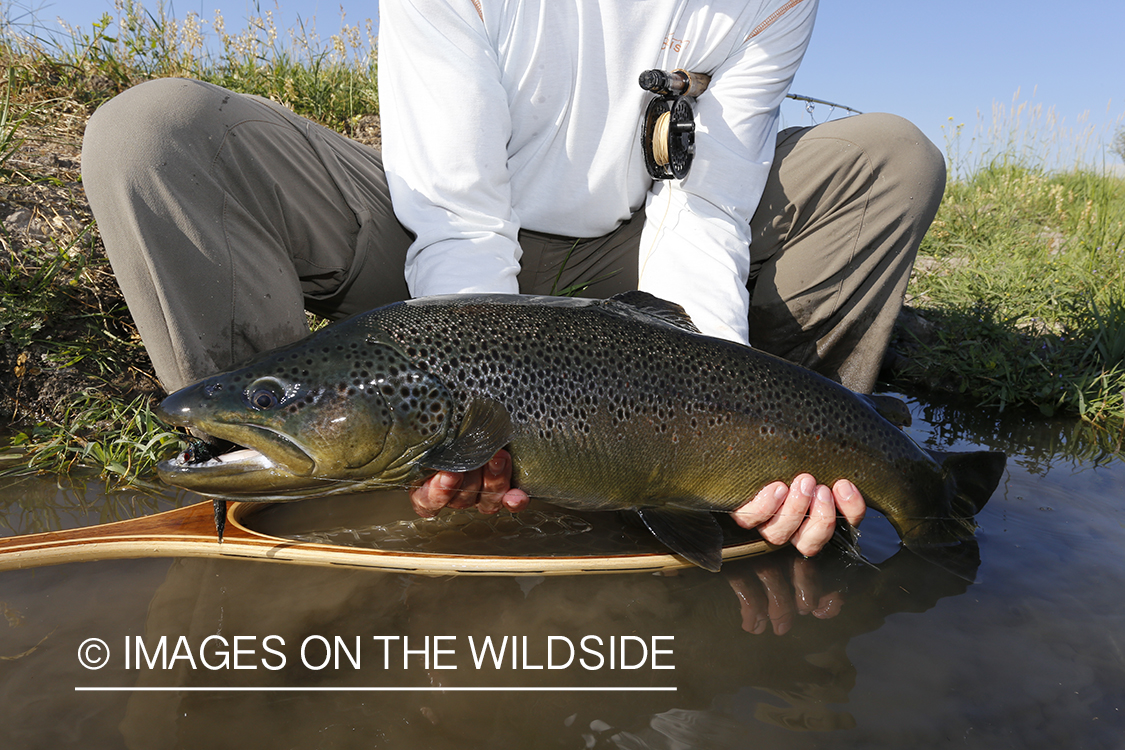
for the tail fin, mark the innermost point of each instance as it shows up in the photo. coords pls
(970, 479)
(975, 476)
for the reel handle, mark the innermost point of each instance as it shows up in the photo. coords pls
(678, 82)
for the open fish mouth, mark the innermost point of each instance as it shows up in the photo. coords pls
(275, 448)
(242, 472)
(236, 459)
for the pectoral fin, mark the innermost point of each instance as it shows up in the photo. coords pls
(486, 428)
(693, 535)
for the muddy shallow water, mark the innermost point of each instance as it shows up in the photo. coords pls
(775, 651)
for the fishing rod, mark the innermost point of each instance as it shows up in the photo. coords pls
(814, 100)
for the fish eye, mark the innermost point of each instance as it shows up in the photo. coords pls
(264, 395)
(263, 399)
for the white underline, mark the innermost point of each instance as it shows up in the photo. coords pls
(199, 689)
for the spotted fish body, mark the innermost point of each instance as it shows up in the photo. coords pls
(604, 405)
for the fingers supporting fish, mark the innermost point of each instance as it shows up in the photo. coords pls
(802, 513)
(763, 507)
(849, 501)
(497, 481)
(497, 492)
(515, 500)
(446, 489)
(434, 493)
(468, 490)
(780, 528)
(488, 488)
(818, 526)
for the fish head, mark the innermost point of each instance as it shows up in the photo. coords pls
(340, 409)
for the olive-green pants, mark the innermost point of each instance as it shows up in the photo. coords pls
(225, 216)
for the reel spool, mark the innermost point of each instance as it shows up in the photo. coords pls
(668, 131)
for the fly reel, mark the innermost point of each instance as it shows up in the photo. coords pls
(668, 132)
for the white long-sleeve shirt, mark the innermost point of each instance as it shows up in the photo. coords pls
(499, 115)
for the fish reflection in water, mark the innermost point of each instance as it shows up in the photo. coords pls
(724, 675)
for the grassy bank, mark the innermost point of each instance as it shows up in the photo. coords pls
(1018, 294)
(1020, 285)
(76, 387)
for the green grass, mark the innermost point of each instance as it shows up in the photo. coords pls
(330, 80)
(1022, 276)
(10, 140)
(1023, 273)
(121, 439)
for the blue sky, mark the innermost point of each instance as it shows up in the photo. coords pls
(927, 61)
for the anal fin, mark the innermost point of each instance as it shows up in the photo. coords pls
(693, 535)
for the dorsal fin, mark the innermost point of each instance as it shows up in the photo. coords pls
(654, 307)
(890, 408)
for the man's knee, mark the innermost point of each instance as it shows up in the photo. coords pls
(901, 153)
(157, 121)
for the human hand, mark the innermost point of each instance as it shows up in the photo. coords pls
(802, 513)
(776, 588)
(489, 488)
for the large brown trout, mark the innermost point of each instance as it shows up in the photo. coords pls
(616, 404)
